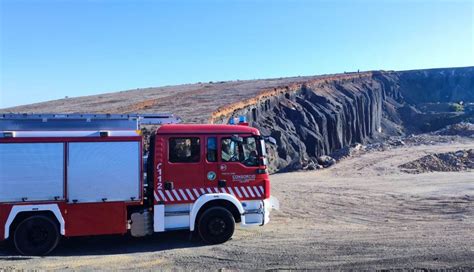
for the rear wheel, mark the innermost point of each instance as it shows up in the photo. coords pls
(216, 225)
(36, 236)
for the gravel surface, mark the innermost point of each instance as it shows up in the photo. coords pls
(362, 213)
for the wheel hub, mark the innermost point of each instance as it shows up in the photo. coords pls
(217, 226)
(37, 235)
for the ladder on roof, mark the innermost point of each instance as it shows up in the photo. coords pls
(77, 121)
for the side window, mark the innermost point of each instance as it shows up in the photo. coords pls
(249, 147)
(184, 149)
(230, 151)
(211, 149)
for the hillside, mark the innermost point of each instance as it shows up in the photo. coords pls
(308, 116)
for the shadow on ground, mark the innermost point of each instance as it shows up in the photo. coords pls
(111, 244)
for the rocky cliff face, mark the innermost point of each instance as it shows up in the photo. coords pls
(437, 85)
(320, 116)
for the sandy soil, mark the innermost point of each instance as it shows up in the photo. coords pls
(363, 213)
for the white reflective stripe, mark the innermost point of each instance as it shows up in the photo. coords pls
(169, 195)
(190, 194)
(194, 193)
(257, 191)
(238, 192)
(162, 195)
(250, 191)
(183, 194)
(244, 191)
(176, 195)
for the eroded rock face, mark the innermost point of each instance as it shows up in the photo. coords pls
(321, 116)
(318, 118)
(437, 85)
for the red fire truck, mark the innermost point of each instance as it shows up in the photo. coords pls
(64, 175)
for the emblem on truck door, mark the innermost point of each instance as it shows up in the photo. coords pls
(211, 176)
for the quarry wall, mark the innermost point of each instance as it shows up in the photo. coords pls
(320, 116)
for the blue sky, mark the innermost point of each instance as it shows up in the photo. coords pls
(52, 49)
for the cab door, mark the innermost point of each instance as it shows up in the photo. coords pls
(182, 168)
(239, 166)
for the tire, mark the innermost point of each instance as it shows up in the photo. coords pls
(216, 225)
(36, 236)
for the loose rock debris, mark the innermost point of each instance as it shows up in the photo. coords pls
(461, 160)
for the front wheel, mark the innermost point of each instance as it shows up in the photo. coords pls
(216, 225)
(36, 236)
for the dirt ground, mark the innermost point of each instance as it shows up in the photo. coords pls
(363, 213)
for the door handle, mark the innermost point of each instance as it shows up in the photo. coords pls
(169, 185)
(222, 183)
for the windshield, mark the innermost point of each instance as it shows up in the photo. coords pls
(245, 151)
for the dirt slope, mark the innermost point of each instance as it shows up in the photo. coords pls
(363, 213)
(194, 103)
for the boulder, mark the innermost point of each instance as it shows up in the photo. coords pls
(326, 161)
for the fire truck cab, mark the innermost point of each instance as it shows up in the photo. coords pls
(83, 175)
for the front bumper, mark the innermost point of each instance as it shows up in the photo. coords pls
(257, 212)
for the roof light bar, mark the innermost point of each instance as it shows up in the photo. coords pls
(241, 120)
